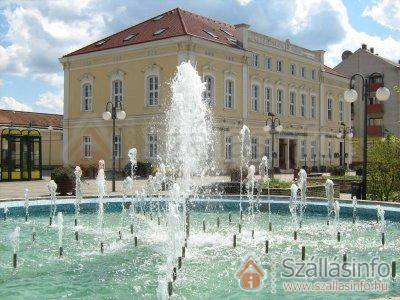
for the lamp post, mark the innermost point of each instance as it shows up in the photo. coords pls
(344, 132)
(382, 94)
(113, 112)
(50, 128)
(273, 125)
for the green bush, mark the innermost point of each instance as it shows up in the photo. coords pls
(338, 171)
(65, 179)
(278, 184)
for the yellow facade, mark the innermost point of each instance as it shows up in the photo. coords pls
(133, 64)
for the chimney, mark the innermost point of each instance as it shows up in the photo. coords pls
(371, 50)
(364, 46)
(242, 31)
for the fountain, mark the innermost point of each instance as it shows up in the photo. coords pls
(132, 154)
(52, 187)
(245, 155)
(294, 206)
(329, 196)
(26, 204)
(5, 211)
(381, 222)
(265, 179)
(78, 192)
(60, 225)
(14, 241)
(354, 204)
(101, 191)
(303, 190)
(336, 209)
(250, 184)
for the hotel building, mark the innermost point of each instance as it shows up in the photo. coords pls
(247, 74)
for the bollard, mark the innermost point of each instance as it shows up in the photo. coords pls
(393, 269)
(179, 262)
(338, 236)
(270, 226)
(60, 251)
(51, 221)
(295, 235)
(218, 222)
(15, 260)
(252, 234)
(266, 246)
(344, 257)
(174, 274)
(170, 288)
(76, 235)
(234, 241)
(204, 225)
(240, 228)
(76, 222)
(131, 228)
(383, 238)
(102, 247)
(303, 253)
(183, 252)
(135, 241)
(230, 217)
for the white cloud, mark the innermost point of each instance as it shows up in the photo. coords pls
(243, 2)
(55, 79)
(12, 104)
(385, 12)
(50, 102)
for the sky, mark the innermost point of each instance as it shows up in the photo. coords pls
(35, 33)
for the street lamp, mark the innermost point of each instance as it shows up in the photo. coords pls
(50, 128)
(382, 94)
(344, 132)
(273, 125)
(113, 112)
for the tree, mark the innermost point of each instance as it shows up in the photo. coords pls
(383, 170)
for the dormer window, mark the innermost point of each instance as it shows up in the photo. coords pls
(159, 31)
(101, 42)
(158, 18)
(226, 32)
(129, 37)
(210, 33)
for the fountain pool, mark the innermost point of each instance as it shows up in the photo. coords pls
(211, 263)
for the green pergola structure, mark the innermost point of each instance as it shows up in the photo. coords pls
(21, 154)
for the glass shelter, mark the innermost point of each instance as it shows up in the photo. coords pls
(21, 154)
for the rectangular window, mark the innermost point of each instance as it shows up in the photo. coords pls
(267, 100)
(255, 97)
(152, 145)
(303, 72)
(267, 150)
(313, 74)
(313, 149)
(87, 147)
(118, 146)
(268, 63)
(313, 107)
(303, 106)
(279, 102)
(341, 110)
(209, 92)
(152, 90)
(117, 93)
(229, 94)
(292, 104)
(228, 148)
(254, 148)
(279, 66)
(303, 150)
(293, 69)
(330, 108)
(255, 60)
(87, 97)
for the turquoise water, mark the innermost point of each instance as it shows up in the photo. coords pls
(208, 271)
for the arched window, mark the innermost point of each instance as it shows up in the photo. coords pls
(255, 97)
(229, 93)
(87, 97)
(209, 92)
(292, 104)
(279, 102)
(303, 106)
(152, 90)
(267, 100)
(117, 93)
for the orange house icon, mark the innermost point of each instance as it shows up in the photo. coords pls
(250, 275)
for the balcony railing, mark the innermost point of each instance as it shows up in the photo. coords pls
(375, 130)
(375, 108)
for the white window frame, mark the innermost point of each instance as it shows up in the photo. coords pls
(303, 149)
(87, 147)
(268, 63)
(313, 110)
(267, 99)
(255, 60)
(152, 145)
(293, 69)
(279, 65)
(87, 100)
(330, 109)
(303, 105)
(313, 149)
(313, 74)
(255, 97)
(267, 148)
(228, 148)
(292, 103)
(280, 99)
(229, 97)
(209, 92)
(303, 72)
(254, 148)
(152, 90)
(117, 146)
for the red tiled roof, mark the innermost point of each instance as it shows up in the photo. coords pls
(23, 118)
(333, 72)
(177, 22)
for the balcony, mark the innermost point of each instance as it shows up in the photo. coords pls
(374, 108)
(375, 130)
(374, 86)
